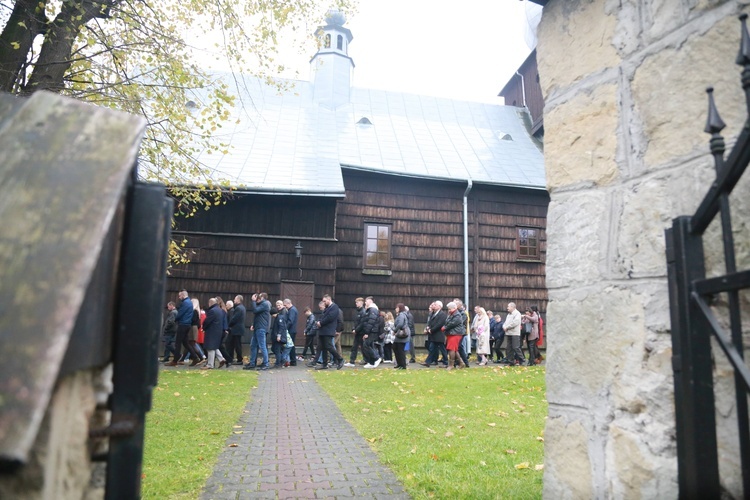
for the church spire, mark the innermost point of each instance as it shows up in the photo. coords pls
(331, 67)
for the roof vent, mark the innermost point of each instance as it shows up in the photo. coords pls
(364, 121)
(505, 137)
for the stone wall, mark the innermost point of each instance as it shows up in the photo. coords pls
(625, 152)
(60, 467)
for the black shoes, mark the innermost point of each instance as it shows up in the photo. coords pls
(248, 367)
(321, 367)
(340, 364)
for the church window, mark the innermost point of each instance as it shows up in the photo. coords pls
(340, 42)
(527, 244)
(377, 248)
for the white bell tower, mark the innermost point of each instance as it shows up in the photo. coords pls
(331, 67)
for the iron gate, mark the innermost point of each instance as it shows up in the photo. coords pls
(693, 321)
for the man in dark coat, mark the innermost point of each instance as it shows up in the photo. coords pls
(358, 331)
(168, 332)
(291, 319)
(213, 329)
(326, 332)
(436, 335)
(184, 324)
(236, 330)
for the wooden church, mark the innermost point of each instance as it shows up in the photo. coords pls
(356, 192)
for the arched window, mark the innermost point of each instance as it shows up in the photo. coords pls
(340, 42)
(328, 41)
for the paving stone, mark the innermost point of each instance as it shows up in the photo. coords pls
(296, 444)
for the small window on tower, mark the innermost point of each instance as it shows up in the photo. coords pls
(340, 42)
(327, 44)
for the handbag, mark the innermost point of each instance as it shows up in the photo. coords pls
(403, 333)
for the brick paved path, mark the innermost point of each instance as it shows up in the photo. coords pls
(295, 443)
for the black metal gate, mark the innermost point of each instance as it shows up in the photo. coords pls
(694, 322)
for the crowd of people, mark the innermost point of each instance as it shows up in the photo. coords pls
(204, 338)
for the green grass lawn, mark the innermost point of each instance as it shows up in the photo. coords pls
(194, 411)
(475, 433)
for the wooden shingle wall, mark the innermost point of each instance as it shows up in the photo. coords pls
(427, 243)
(247, 246)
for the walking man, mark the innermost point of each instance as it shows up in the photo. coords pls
(512, 327)
(236, 330)
(168, 332)
(261, 308)
(291, 318)
(326, 332)
(184, 325)
(435, 334)
(358, 331)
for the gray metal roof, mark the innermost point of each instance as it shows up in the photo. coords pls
(287, 143)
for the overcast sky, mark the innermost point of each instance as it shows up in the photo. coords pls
(464, 49)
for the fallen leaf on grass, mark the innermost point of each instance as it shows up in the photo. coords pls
(540, 438)
(431, 431)
(192, 398)
(414, 450)
(482, 463)
(214, 433)
(159, 388)
(239, 432)
(233, 445)
(510, 452)
(539, 467)
(502, 414)
(387, 411)
(238, 427)
(200, 458)
(491, 424)
(522, 465)
(372, 440)
(448, 434)
(434, 457)
(176, 393)
(401, 408)
(462, 427)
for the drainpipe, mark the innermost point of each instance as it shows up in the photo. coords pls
(467, 344)
(523, 89)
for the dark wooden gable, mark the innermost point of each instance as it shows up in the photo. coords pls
(242, 214)
(247, 245)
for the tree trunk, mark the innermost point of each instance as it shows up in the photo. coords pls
(26, 22)
(55, 56)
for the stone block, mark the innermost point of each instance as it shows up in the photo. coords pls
(567, 470)
(662, 17)
(575, 229)
(647, 208)
(599, 335)
(574, 42)
(581, 142)
(669, 92)
(635, 473)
